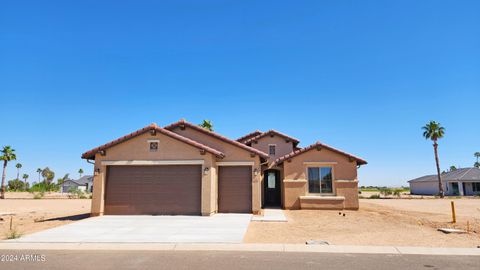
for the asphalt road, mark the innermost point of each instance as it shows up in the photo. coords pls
(229, 260)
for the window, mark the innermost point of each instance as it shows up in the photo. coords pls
(476, 186)
(320, 180)
(153, 144)
(271, 149)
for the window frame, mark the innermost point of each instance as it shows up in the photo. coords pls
(274, 149)
(319, 166)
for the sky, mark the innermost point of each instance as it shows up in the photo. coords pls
(362, 76)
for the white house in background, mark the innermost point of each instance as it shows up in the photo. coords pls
(85, 184)
(464, 181)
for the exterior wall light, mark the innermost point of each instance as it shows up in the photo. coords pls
(205, 171)
(97, 171)
(255, 172)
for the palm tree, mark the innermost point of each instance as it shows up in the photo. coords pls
(207, 124)
(435, 131)
(18, 166)
(25, 177)
(8, 154)
(80, 172)
(477, 155)
(39, 171)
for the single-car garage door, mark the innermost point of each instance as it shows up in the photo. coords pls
(153, 190)
(234, 189)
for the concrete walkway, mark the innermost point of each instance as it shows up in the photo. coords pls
(5, 245)
(220, 228)
(271, 215)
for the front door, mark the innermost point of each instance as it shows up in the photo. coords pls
(272, 188)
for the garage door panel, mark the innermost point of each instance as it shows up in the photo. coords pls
(235, 189)
(153, 190)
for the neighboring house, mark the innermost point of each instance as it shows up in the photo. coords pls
(184, 169)
(85, 183)
(464, 181)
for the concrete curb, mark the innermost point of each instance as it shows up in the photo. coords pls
(244, 247)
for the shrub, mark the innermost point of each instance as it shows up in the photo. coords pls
(75, 193)
(38, 195)
(13, 234)
(374, 196)
(16, 185)
(44, 187)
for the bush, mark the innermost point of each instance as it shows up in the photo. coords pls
(44, 187)
(75, 193)
(13, 234)
(38, 195)
(16, 185)
(374, 196)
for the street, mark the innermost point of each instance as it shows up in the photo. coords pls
(104, 259)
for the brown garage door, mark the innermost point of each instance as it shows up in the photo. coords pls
(235, 189)
(153, 190)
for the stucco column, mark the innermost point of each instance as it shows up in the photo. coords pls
(208, 190)
(98, 196)
(460, 188)
(256, 190)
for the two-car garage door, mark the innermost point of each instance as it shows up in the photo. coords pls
(174, 190)
(153, 190)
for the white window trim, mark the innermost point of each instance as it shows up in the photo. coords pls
(149, 141)
(320, 163)
(151, 162)
(333, 179)
(269, 149)
(236, 163)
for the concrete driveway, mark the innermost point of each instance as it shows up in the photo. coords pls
(220, 228)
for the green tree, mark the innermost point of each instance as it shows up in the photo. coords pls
(39, 171)
(80, 172)
(477, 155)
(8, 154)
(18, 166)
(15, 185)
(62, 180)
(453, 168)
(434, 131)
(48, 175)
(207, 124)
(25, 177)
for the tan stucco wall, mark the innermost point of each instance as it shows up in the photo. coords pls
(137, 148)
(295, 178)
(281, 146)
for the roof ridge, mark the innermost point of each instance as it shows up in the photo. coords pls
(469, 169)
(273, 131)
(248, 135)
(153, 126)
(318, 143)
(218, 136)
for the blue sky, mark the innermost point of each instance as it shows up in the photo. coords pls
(362, 76)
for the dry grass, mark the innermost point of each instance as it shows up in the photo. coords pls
(383, 222)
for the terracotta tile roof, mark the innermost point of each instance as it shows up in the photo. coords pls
(216, 135)
(91, 153)
(248, 136)
(295, 141)
(321, 145)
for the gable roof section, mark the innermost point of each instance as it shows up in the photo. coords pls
(461, 174)
(91, 153)
(215, 135)
(248, 136)
(314, 146)
(272, 132)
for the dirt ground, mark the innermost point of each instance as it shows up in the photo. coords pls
(398, 222)
(30, 215)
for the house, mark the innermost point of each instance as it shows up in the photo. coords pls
(460, 182)
(184, 169)
(84, 183)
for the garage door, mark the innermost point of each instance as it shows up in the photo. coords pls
(153, 190)
(235, 189)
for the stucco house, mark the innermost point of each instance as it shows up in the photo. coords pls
(84, 183)
(184, 169)
(460, 182)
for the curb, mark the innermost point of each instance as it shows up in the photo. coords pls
(244, 247)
